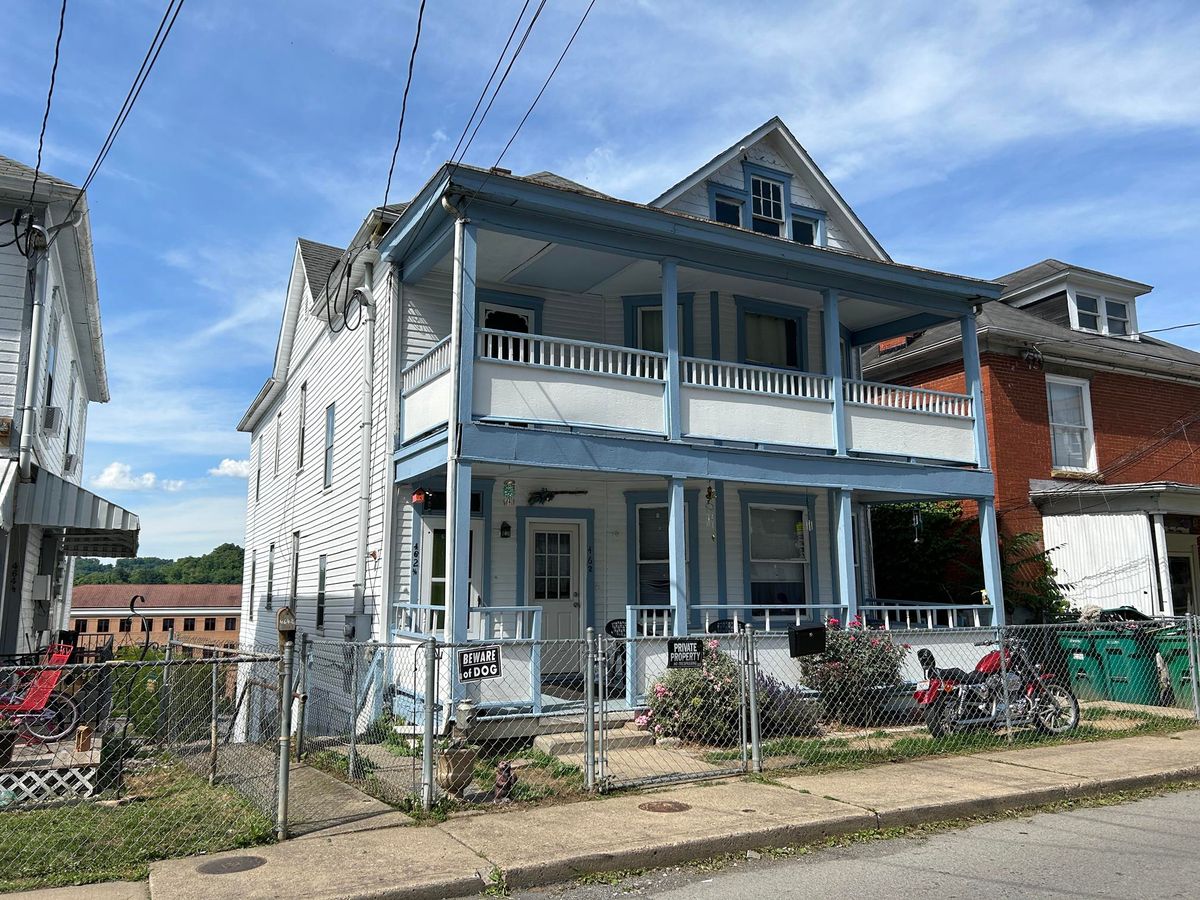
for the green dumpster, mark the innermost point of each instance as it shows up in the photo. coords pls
(1084, 667)
(1129, 666)
(1173, 645)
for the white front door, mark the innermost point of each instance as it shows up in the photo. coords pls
(553, 581)
(433, 563)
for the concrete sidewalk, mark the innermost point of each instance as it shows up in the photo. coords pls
(552, 843)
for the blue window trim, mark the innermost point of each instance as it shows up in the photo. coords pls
(536, 513)
(634, 499)
(768, 308)
(518, 301)
(635, 302)
(485, 487)
(779, 498)
(792, 211)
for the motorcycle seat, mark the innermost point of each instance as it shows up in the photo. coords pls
(960, 676)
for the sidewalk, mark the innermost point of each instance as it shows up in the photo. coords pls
(542, 845)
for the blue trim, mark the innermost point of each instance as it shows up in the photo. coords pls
(714, 322)
(483, 486)
(777, 498)
(673, 412)
(458, 557)
(817, 217)
(634, 499)
(414, 460)
(424, 256)
(519, 301)
(993, 573)
(735, 194)
(780, 310)
(843, 534)
(466, 337)
(832, 351)
(577, 452)
(634, 302)
(973, 372)
(876, 333)
(588, 516)
(719, 531)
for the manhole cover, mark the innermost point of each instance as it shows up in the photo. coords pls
(230, 865)
(664, 806)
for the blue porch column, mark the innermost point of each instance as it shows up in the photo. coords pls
(831, 328)
(973, 372)
(670, 325)
(843, 512)
(989, 539)
(677, 556)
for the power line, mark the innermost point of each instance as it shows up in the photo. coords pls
(412, 59)
(37, 168)
(534, 104)
(1170, 328)
(166, 23)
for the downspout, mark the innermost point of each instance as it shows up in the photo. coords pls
(41, 284)
(366, 299)
(452, 429)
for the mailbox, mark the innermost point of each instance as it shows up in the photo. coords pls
(806, 640)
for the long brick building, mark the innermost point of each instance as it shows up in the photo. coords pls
(200, 613)
(1094, 430)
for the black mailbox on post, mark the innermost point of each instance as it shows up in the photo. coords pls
(806, 640)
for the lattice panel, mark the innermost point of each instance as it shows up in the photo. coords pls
(42, 785)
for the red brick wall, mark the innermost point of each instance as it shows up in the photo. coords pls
(1128, 413)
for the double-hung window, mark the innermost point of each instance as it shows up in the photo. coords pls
(804, 230)
(653, 554)
(294, 583)
(1072, 443)
(300, 427)
(253, 578)
(770, 335)
(51, 358)
(270, 576)
(727, 210)
(778, 555)
(1103, 315)
(766, 198)
(321, 564)
(1116, 317)
(329, 419)
(278, 439)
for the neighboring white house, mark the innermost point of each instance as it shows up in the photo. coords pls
(51, 368)
(584, 410)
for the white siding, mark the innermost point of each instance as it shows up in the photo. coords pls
(1107, 558)
(12, 312)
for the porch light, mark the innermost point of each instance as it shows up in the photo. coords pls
(505, 530)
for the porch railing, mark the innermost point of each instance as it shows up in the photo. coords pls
(428, 367)
(420, 619)
(755, 379)
(909, 399)
(569, 355)
(763, 617)
(897, 615)
(505, 623)
(648, 621)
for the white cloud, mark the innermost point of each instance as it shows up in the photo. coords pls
(119, 476)
(232, 468)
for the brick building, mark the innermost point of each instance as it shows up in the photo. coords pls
(1094, 430)
(202, 613)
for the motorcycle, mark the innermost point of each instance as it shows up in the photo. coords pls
(1008, 690)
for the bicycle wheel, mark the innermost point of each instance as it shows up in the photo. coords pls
(57, 720)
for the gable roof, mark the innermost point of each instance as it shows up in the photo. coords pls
(11, 168)
(802, 164)
(318, 260)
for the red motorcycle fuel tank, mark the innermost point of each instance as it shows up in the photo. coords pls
(990, 664)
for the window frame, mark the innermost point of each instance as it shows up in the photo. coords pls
(53, 330)
(253, 578)
(294, 574)
(635, 500)
(102, 626)
(799, 314)
(210, 623)
(1102, 313)
(330, 434)
(269, 598)
(635, 304)
(742, 198)
(806, 503)
(186, 620)
(278, 441)
(231, 623)
(322, 565)
(300, 426)
(759, 201)
(168, 624)
(1084, 386)
(81, 626)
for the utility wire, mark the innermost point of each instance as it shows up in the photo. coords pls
(166, 23)
(37, 168)
(532, 105)
(412, 59)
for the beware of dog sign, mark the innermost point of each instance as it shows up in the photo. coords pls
(479, 663)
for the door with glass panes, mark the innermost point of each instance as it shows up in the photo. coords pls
(433, 563)
(554, 579)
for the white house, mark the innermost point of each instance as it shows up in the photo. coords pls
(51, 368)
(516, 407)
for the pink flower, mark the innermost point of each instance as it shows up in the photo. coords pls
(713, 645)
(832, 622)
(874, 642)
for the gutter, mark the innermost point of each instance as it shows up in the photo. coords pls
(40, 272)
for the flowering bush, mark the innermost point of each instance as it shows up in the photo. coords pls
(855, 663)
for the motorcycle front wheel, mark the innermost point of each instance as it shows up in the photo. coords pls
(1057, 709)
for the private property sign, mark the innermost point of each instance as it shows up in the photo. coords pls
(684, 653)
(479, 663)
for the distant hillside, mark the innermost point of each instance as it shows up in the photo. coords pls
(222, 565)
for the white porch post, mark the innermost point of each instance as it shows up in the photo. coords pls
(676, 550)
(1166, 600)
(844, 540)
(973, 373)
(458, 472)
(670, 325)
(989, 540)
(831, 327)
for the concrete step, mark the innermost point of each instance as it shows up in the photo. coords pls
(627, 737)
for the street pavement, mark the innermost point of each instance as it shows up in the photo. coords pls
(1146, 848)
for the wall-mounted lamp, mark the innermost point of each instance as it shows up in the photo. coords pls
(505, 530)
(418, 495)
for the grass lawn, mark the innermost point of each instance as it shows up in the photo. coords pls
(80, 843)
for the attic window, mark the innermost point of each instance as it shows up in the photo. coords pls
(1102, 315)
(767, 197)
(804, 231)
(727, 210)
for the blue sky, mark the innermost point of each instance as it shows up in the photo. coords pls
(970, 137)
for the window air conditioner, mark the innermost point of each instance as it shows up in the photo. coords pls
(52, 419)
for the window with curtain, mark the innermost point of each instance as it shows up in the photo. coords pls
(772, 340)
(778, 555)
(1071, 439)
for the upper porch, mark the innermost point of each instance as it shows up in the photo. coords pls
(536, 313)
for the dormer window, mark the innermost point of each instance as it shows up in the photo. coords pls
(767, 199)
(727, 210)
(1103, 315)
(804, 231)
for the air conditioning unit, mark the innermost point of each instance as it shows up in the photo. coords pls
(70, 463)
(52, 417)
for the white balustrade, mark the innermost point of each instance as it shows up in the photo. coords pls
(576, 356)
(732, 617)
(427, 368)
(755, 379)
(910, 399)
(901, 616)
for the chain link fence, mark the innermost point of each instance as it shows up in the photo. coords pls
(109, 763)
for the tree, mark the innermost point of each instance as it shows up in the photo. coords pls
(223, 565)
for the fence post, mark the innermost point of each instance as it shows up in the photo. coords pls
(164, 695)
(589, 737)
(214, 725)
(427, 732)
(353, 765)
(1193, 633)
(752, 697)
(1004, 683)
(285, 740)
(302, 706)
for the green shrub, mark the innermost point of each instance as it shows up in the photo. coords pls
(698, 705)
(855, 664)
